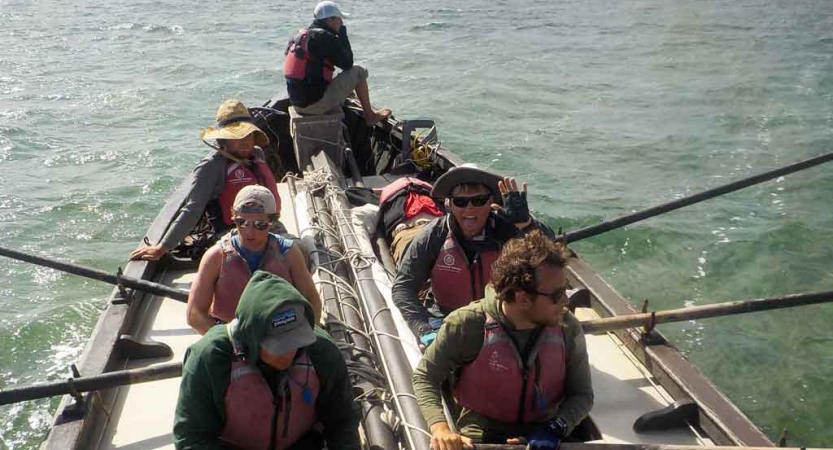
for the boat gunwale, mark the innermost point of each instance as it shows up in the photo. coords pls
(101, 354)
(721, 419)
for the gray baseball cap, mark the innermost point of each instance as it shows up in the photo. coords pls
(255, 199)
(288, 330)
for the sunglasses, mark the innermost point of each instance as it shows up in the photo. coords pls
(556, 296)
(477, 200)
(259, 225)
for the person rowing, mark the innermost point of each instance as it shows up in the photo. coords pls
(456, 250)
(227, 266)
(268, 379)
(237, 161)
(520, 357)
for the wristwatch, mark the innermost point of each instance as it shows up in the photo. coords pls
(558, 426)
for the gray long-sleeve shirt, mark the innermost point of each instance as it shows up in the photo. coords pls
(208, 180)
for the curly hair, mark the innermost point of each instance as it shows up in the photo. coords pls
(514, 270)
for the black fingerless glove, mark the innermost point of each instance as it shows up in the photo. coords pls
(515, 208)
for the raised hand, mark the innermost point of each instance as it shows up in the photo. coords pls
(515, 207)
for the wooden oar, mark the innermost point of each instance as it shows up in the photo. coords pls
(622, 446)
(701, 312)
(125, 377)
(619, 222)
(133, 283)
(93, 383)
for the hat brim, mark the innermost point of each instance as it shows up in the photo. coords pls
(291, 340)
(236, 130)
(463, 175)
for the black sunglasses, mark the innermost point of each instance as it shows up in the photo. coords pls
(259, 225)
(477, 200)
(556, 296)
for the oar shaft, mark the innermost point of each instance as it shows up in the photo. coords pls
(701, 312)
(593, 230)
(93, 383)
(622, 446)
(133, 283)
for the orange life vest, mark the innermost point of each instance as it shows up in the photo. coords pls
(300, 64)
(235, 274)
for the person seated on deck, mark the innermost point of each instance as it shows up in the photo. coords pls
(457, 250)
(237, 162)
(227, 266)
(268, 379)
(405, 207)
(520, 357)
(311, 56)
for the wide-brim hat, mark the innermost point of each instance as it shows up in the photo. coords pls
(234, 122)
(464, 175)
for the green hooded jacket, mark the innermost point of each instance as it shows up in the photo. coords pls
(200, 411)
(459, 342)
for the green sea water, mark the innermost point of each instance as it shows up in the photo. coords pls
(603, 107)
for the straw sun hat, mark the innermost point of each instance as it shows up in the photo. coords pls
(234, 122)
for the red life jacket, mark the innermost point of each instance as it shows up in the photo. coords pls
(235, 274)
(300, 64)
(250, 411)
(499, 371)
(239, 176)
(404, 184)
(456, 282)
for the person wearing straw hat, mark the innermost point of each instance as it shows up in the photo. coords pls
(267, 379)
(236, 162)
(311, 57)
(227, 266)
(522, 373)
(456, 251)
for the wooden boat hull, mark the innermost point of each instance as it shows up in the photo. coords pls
(102, 420)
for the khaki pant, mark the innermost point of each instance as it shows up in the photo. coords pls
(338, 90)
(402, 240)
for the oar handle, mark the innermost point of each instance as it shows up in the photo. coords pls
(599, 326)
(619, 222)
(93, 383)
(75, 269)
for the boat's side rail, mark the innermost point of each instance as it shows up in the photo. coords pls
(80, 425)
(719, 417)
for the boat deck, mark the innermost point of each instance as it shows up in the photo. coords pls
(624, 390)
(143, 415)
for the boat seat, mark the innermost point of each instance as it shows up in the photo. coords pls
(312, 134)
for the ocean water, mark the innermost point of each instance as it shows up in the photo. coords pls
(603, 107)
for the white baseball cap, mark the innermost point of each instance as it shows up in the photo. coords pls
(327, 9)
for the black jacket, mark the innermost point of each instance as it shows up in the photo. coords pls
(416, 265)
(322, 44)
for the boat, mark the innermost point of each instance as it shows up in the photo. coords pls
(637, 373)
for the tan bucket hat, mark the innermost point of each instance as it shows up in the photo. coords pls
(234, 122)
